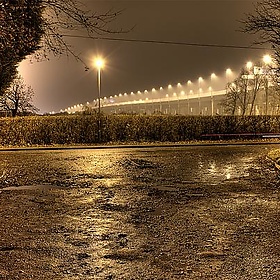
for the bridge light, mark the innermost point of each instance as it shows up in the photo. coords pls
(249, 65)
(213, 76)
(228, 71)
(267, 59)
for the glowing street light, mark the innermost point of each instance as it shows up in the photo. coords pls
(267, 59)
(99, 64)
(200, 80)
(228, 73)
(213, 76)
(249, 65)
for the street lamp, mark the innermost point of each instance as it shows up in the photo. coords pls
(200, 80)
(212, 78)
(212, 101)
(228, 73)
(267, 61)
(99, 64)
(249, 65)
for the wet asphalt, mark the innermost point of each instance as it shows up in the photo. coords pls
(197, 212)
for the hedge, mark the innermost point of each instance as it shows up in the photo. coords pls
(83, 129)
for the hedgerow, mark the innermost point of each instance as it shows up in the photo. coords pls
(83, 129)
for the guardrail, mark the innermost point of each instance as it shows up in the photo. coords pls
(220, 136)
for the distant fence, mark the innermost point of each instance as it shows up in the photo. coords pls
(83, 129)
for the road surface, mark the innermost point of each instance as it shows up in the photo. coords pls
(147, 213)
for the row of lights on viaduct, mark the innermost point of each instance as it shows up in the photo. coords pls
(99, 64)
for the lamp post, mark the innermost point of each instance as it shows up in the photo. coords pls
(267, 61)
(99, 64)
(228, 74)
(212, 101)
(200, 80)
(212, 77)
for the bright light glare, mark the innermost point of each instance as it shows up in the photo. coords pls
(249, 65)
(228, 71)
(267, 59)
(99, 63)
(213, 76)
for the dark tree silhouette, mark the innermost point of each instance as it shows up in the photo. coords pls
(242, 93)
(42, 27)
(20, 35)
(18, 98)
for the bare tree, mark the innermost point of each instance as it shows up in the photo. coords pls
(266, 23)
(231, 101)
(242, 93)
(18, 98)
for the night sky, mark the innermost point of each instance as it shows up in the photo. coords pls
(133, 66)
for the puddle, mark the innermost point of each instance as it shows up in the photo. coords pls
(32, 187)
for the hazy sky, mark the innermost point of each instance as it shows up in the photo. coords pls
(132, 66)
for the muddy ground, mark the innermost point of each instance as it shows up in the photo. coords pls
(184, 213)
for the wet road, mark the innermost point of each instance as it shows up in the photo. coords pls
(150, 213)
